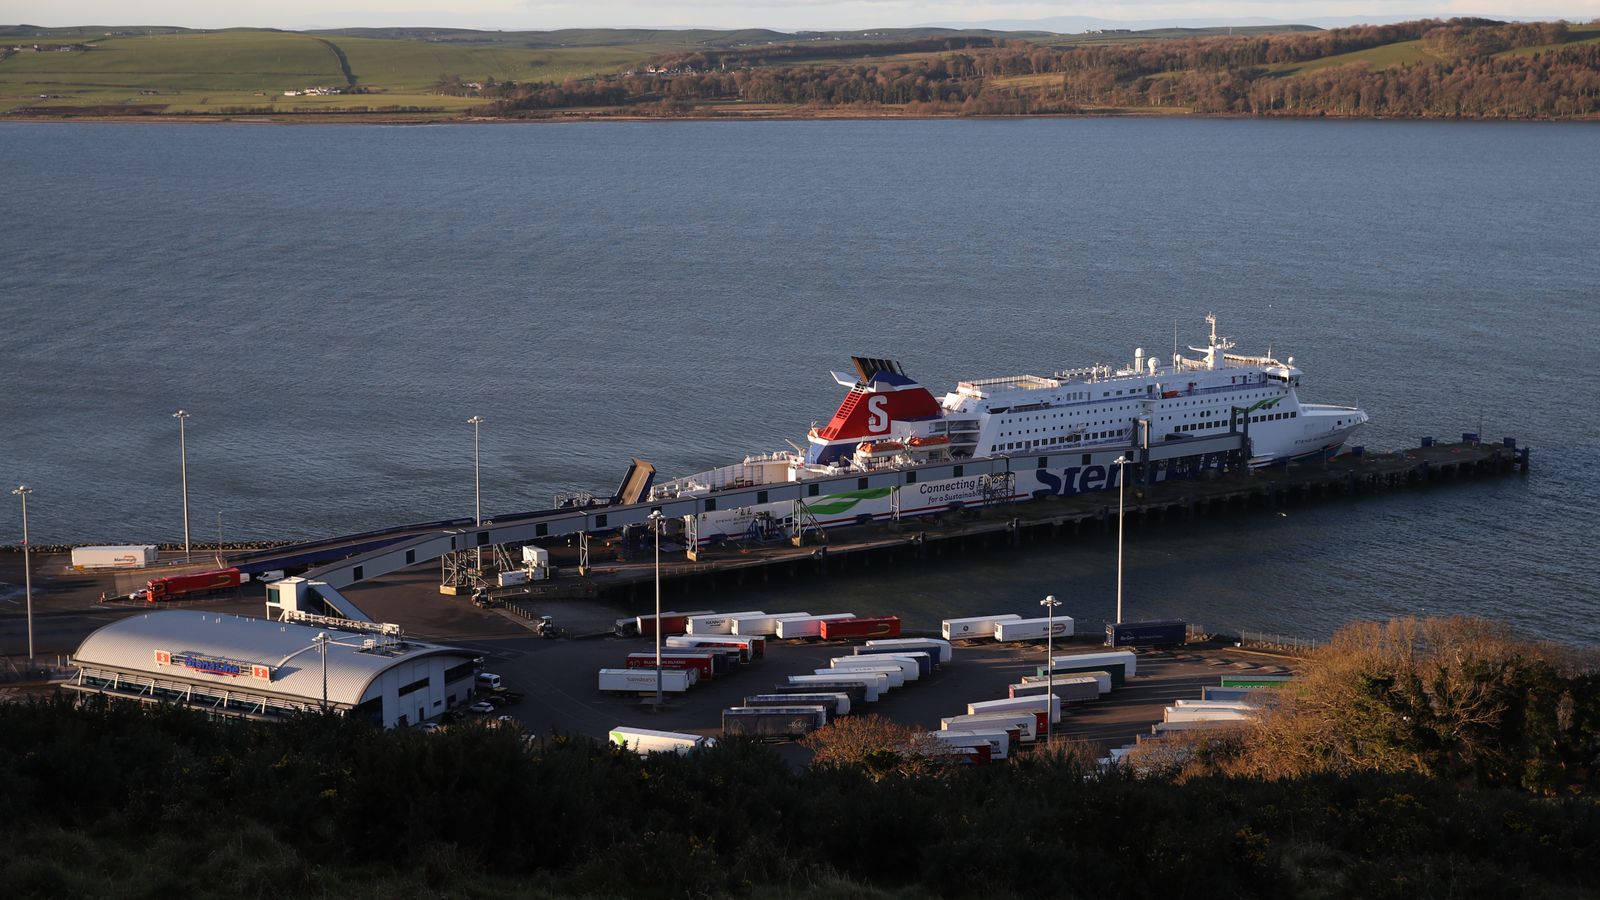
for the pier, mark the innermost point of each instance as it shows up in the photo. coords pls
(620, 572)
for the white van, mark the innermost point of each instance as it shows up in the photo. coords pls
(489, 681)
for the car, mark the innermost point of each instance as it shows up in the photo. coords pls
(481, 707)
(430, 727)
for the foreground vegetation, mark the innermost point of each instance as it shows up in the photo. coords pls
(1401, 791)
(1461, 68)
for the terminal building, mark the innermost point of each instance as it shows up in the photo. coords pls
(250, 668)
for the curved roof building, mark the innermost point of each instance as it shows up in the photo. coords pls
(255, 668)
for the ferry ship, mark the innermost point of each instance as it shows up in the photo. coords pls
(889, 422)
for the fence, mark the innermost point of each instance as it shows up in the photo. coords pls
(1252, 639)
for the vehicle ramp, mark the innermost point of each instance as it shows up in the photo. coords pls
(636, 484)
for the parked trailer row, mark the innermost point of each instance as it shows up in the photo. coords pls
(750, 648)
(855, 691)
(836, 703)
(645, 740)
(763, 624)
(643, 681)
(873, 684)
(974, 626)
(806, 626)
(1025, 723)
(645, 626)
(716, 623)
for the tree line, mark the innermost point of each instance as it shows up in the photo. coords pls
(1466, 74)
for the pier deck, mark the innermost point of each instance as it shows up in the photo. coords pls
(615, 574)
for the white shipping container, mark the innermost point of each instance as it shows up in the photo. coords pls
(908, 667)
(999, 741)
(1025, 722)
(875, 682)
(129, 556)
(1103, 679)
(1036, 704)
(643, 681)
(535, 556)
(974, 627)
(645, 740)
(515, 576)
(1202, 714)
(930, 644)
(1128, 658)
(1032, 629)
(807, 626)
(717, 623)
(763, 625)
(893, 676)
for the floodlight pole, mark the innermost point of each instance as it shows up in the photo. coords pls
(655, 526)
(477, 488)
(1122, 472)
(1049, 603)
(183, 461)
(23, 491)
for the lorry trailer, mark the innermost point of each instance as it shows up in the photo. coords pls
(925, 660)
(716, 623)
(172, 587)
(772, 722)
(1008, 630)
(645, 626)
(973, 626)
(875, 683)
(860, 628)
(837, 704)
(856, 692)
(807, 627)
(998, 742)
(894, 676)
(128, 556)
(1070, 688)
(643, 681)
(910, 668)
(1010, 704)
(1108, 660)
(1203, 714)
(1024, 723)
(763, 624)
(928, 644)
(645, 740)
(1101, 677)
(1151, 633)
(745, 649)
(704, 663)
(1222, 693)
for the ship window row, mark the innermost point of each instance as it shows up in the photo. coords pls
(1274, 417)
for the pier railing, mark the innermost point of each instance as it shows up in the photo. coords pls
(1253, 639)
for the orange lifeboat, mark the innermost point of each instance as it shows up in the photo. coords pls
(932, 440)
(880, 448)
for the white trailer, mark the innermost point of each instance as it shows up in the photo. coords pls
(973, 627)
(875, 683)
(908, 667)
(762, 624)
(515, 576)
(645, 740)
(1202, 714)
(1214, 704)
(717, 623)
(643, 681)
(1033, 629)
(999, 741)
(128, 556)
(1070, 688)
(1102, 679)
(1128, 659)
(1026, 723)
(807, 626)
(836, 704)
(893, 676)
(929, 644)
(1036, 704)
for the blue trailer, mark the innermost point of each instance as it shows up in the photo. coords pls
(1153, 633)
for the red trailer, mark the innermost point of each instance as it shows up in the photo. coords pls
(676, 660)
(861, 628)
(174, 586)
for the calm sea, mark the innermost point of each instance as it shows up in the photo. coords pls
(332, 304)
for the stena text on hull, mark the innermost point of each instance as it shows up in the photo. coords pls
(1074, 423)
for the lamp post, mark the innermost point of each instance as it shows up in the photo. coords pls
(183, 459)
(477, 487)
(655, 525)
(1049, 603)
(1121, 463)
(322, 644)
(23, 491)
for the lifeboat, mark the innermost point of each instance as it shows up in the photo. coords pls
(928, 441)
(880, 448)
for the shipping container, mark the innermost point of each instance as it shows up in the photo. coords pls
(998, 742)
(1032, 629)
(910, 668)
(643, 681)
(808, 627)
(928, 644)
(1102, 678)
(973, 627)
(772, 722)
(535, 556)
(703, 663)
(1024, 723)
(894, 676)
(855, 691)
(763, 625)
(515, 576)
(1007, 705)
(129, 556)
(873, 682)
(671, 622)
(924, 659)
(1070, 688)
(1151, 633)
(860, 627)
(836, 703)
(715, 623)
(750, 648)
(174, 586)
(645, 740)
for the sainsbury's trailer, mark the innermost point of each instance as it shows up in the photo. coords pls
(807, 627)
(772, 722)
(1033, 629)
(928, 644)
(645, 740)
(973, 627)
(837, 704)
(643, 681)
